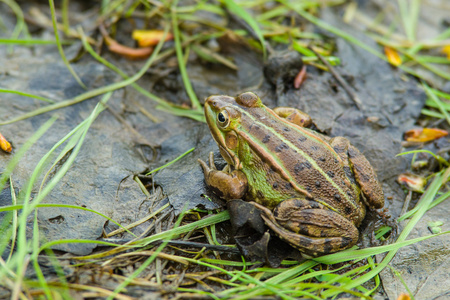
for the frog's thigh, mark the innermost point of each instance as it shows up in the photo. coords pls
(364, 173)
(294, 116)
(311, 228)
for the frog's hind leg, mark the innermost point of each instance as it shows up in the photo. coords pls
(310, 227)
(364, 173)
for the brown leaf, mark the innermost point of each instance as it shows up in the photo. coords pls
(128, 52)
(300, 78)
(424, 134)
(4, 144)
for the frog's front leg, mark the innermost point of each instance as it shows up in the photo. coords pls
(294, 116)
(223, 183)
(310, 227)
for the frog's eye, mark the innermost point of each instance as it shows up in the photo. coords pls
(223, 119)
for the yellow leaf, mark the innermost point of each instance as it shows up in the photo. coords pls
(424, 134)
(393, 56)
(403, 296)
(147, 38)
(4, 144)
(446, 50)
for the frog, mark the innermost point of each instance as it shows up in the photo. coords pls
(312, 190)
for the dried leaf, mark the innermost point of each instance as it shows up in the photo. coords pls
(424, 134)
(413, 182)
(393, 56)
(300, 78)
(4, 144)
(446, 50)
(147, 38)
(128, 52)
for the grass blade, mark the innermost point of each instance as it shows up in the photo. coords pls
(187, 83)
(250, 20)
(60, 48)
(93, 93)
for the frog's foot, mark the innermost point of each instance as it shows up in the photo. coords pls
(310, 227)
(294, 116)
(223, 183)
(364, 173)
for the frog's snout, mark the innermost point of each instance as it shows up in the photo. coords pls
(217, 102)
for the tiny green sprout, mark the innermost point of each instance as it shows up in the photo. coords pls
(435, 226)
(381, 232)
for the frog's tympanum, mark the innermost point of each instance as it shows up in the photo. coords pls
(312, 190)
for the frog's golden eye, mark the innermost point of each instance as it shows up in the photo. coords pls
(223, 119)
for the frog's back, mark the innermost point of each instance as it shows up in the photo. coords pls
(301, 158)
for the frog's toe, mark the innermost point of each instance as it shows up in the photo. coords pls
(212, 165)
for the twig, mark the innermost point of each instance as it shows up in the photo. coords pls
(340, 80)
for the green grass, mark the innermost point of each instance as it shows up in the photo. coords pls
(316, 278)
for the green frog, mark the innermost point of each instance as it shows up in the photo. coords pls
(312, 190)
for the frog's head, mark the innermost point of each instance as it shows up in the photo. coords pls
(224, 116)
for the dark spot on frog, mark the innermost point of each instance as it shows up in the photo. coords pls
(302, 138)
(306, 242)
(352, 153)
(260, 195)
(345, 241)
(303, 229)
(336, 160)
(363, 177)
(253, 126)
(266, 139)
(337, 197)
(330, 174)
(322, 158)
(288, 186)
(286, 129)
(339, 149)
(349, 174)
(314, 148)
(301, 166)
(280, 147)
(327, 245)
(349, 193)
(348, 210)
(275, 185)
(298, 168)
(309, 189)
(361, 174)
(317, 183)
